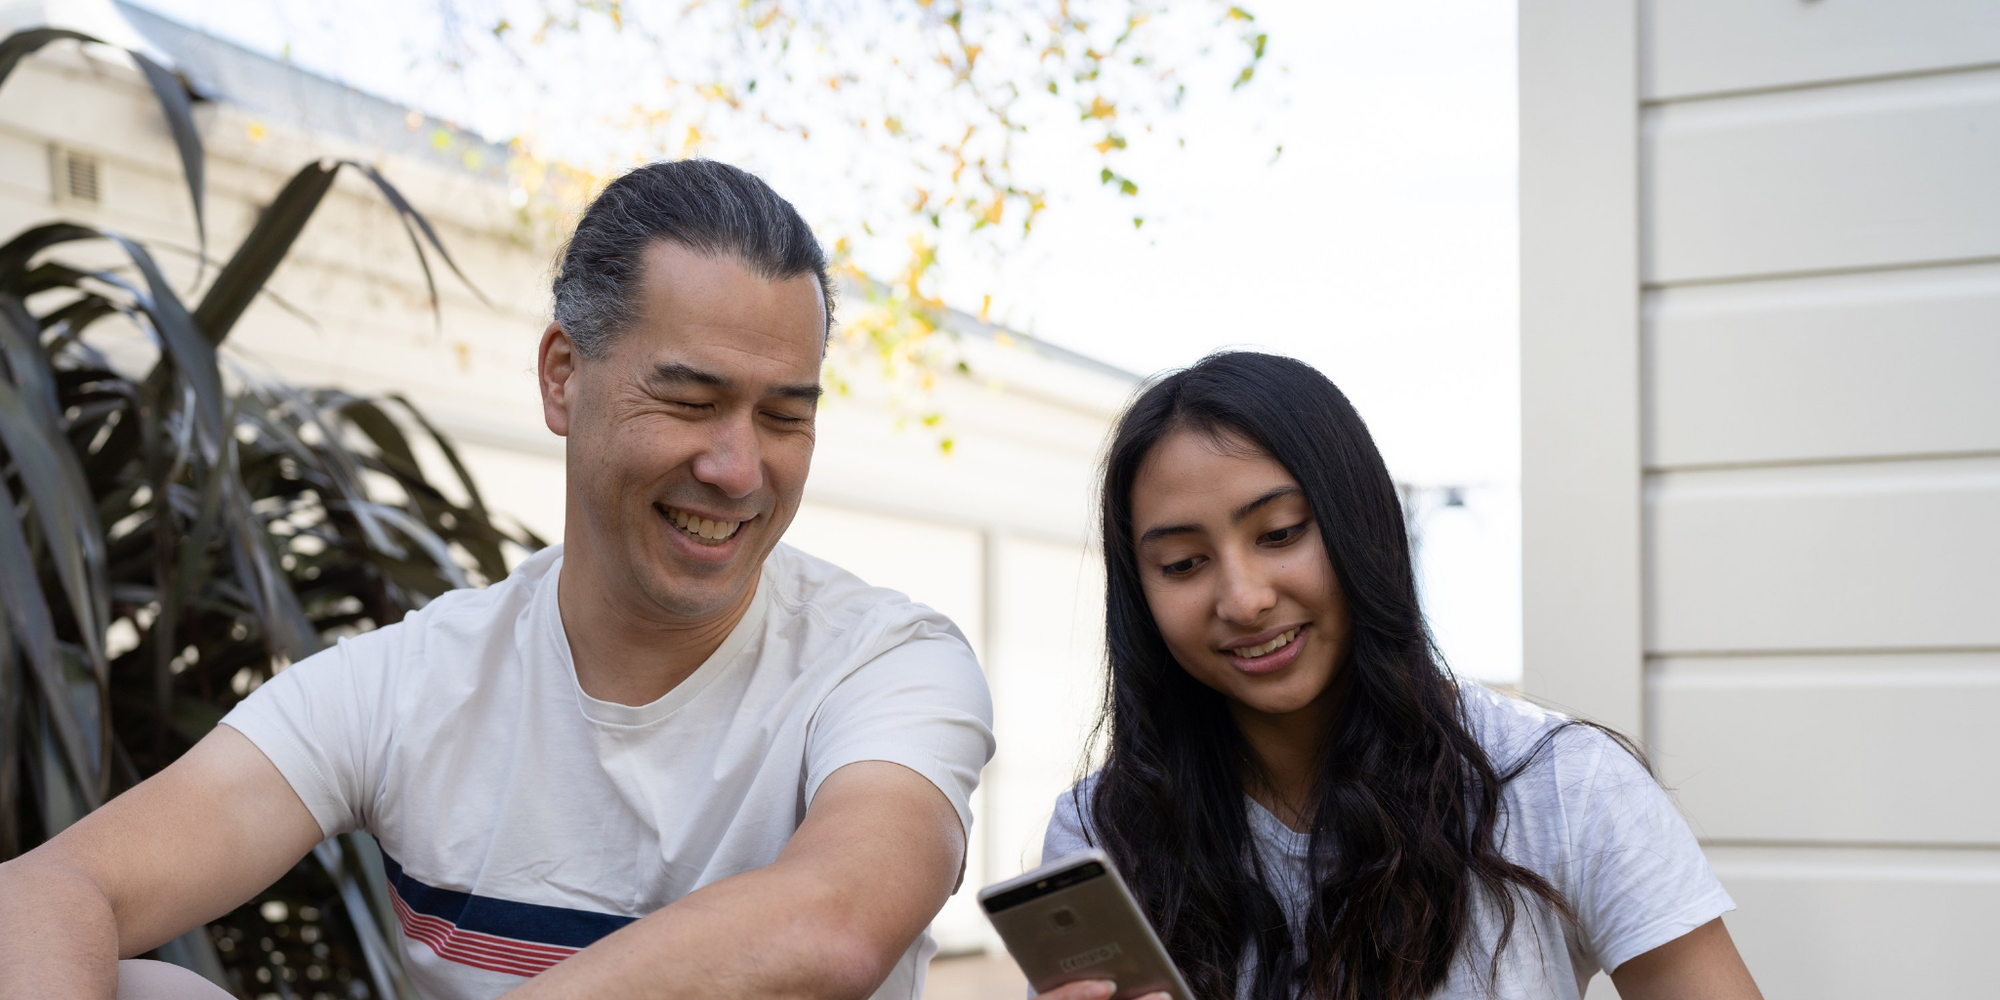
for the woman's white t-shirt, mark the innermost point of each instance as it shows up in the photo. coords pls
(1585, 815)
(522, 819)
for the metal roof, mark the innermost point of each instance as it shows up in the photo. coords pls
(224, 71)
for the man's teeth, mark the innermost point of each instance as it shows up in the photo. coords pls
(699, 527)
(1250, 652)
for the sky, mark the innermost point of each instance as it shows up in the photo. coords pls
(1379, 247)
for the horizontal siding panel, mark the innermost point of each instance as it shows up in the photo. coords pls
(1854, 748)
(1869, 175)
(1811, 369)
(1864, 924)
(1697, 47)
(1874, 556)
(24, 168)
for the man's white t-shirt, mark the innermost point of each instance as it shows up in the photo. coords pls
(1584, 815)
(521, 819)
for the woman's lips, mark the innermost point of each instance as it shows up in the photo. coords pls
(1275, 660)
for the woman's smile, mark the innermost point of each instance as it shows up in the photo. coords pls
(1270, 655)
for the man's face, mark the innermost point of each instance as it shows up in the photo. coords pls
(690, 436)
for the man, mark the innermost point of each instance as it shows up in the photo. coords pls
(668, 757)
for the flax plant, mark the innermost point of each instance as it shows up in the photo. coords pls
(175, 532)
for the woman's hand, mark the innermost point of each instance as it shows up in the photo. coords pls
(1092, 989)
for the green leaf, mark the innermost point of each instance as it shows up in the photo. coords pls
(414, 221)
(174, 103)
(28, 610)
(171, 93)
(20, 44)
(61, 496)
(450, 453)
(339, 856)
(12, 700)
(260, 253)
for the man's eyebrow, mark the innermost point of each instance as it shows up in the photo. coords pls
(668, 373)
(803, 392)
(676, 373)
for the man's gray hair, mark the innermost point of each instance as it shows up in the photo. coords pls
(708, 207)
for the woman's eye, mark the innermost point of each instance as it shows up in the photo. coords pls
(1282, 535)
(1177, 569)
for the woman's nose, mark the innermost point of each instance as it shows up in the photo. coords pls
(1244, 595)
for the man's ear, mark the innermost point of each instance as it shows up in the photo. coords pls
(555, 369)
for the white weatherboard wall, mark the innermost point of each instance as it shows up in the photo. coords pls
(1761, 485)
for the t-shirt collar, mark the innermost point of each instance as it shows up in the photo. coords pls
(611, 713)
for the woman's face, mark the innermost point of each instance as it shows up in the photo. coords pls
(1236, 573)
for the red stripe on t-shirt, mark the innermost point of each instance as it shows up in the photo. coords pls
(480, 951)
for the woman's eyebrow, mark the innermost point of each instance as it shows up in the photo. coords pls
(1274, 493)
(1158, 532)
(1154, 534)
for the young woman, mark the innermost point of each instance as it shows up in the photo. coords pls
(1304, 801)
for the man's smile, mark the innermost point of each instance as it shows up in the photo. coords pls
(707, 531)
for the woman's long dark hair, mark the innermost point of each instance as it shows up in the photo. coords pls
(1406, 803)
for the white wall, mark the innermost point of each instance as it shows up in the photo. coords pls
(1761, 381)
(993, 534)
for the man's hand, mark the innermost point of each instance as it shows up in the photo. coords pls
(183, 848)
(874, 861)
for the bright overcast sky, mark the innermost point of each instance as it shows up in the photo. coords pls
(1380, 246)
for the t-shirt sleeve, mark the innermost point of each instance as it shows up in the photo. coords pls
(1637, 877)
(922, 704)
(322, 721)
(1068, 830)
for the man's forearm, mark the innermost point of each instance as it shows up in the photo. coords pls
(58, 935)
(765, 933)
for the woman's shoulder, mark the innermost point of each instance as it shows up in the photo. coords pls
(1557, 770)
(1519, 735)
(1070, 829)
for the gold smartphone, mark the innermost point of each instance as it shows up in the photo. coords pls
(1074, 919)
